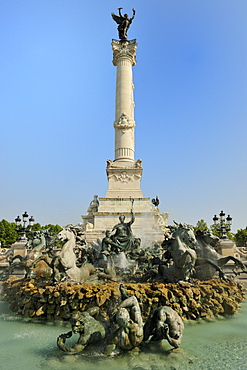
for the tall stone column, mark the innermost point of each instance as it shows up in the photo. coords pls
(124, 57)
(124, 173)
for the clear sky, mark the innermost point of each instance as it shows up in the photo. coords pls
(57, 102)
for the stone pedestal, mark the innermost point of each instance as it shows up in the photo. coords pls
(19, 248)
(149, 222)
(124, 179)
(226, 247)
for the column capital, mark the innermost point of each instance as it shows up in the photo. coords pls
(124, 50)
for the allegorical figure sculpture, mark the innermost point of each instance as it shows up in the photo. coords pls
(129, 334)
(124, 23)
(123, 234)
(164, 323)
(108, 245)
(89, 329)
(94, 205)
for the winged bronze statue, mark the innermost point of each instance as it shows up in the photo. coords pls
(124, 23)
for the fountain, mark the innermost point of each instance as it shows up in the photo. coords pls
(124, 292)
(168, 280)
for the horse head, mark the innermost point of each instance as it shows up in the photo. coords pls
(65, 234)
(185, 232)
(207, 237)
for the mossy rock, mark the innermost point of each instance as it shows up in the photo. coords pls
(38, 299)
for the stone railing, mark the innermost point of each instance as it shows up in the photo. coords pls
(5, 254)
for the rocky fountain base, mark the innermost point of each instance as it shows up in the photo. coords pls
(200, 299)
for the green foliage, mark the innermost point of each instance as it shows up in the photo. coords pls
(201, 225)
(55, 229)
(8, 233)
(214, 231)
(240, 237)
(35, 227)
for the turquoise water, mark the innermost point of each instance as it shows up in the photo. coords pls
(221, 344)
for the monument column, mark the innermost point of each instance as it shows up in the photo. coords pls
(124, 57)
(124, 173)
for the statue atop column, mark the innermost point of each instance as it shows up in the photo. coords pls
(124, 23)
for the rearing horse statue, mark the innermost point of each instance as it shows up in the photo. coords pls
(64, 265)
(179, 249)
(208, 260)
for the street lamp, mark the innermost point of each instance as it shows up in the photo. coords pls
(223, 224)
(23, 229)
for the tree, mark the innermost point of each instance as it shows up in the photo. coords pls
(55, 229)
(201, 225)
(35, 227)
(8, 233)
(214, 231)
(240, 238)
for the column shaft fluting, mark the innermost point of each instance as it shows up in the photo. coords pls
(124, 59)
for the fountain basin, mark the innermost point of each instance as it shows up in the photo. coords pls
(200, 299)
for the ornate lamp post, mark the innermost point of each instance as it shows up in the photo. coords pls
(23, 229)
(223, 225)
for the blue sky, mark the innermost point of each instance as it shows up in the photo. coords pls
(57, 102)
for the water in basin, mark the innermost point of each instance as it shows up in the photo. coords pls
(221, 344)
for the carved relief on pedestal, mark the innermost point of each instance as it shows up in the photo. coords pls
(111, 164)
(161, 220)
(87, 226)
(240, 253)
(124, 177)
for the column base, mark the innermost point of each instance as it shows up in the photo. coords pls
(124, 179)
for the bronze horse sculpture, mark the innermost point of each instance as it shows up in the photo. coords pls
(36, 245)
(193, 255)
(63, 265)
(209, 260)
(178, 246)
